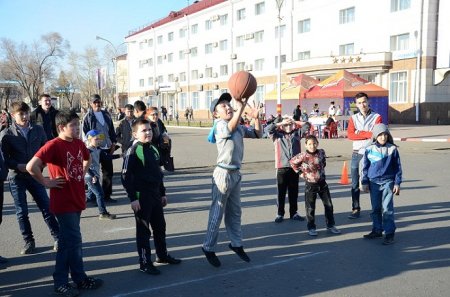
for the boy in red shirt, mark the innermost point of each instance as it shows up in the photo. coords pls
(67, 159)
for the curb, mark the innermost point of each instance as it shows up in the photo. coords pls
(413, 139)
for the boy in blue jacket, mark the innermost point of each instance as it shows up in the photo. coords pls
(382, 176)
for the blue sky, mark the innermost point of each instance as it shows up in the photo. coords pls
(79, 21)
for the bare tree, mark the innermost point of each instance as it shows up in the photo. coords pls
(31, 65)
(64, 88)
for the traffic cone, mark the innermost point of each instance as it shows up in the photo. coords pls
(344, 175)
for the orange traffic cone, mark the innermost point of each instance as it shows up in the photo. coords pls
(344, 175)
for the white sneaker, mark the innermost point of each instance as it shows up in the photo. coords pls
(334, 230)
(312, 232)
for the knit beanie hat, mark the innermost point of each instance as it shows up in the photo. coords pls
(381, 128)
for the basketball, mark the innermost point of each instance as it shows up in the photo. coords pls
(242, 84)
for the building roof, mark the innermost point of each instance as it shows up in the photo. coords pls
(174, 15)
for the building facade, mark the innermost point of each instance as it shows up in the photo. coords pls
(186, 58)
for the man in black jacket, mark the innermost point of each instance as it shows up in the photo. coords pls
(100, 120)
(44, 115)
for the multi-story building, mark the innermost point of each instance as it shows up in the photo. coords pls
(186, 58)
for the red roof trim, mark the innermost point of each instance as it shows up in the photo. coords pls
(174, 15)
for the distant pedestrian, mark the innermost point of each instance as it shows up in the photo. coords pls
(123, 131)
(297, 113)
(44, 115)
(382, 176)
(311, 166)
(191, 113)
(143, 181)
(164, 113)
(186, 113)
(120, 114)
(67, 160)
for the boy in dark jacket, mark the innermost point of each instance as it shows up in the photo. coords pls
(382, 176)
(143, 181)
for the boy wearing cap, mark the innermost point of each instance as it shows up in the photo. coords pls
(382, 176)
(92, 177)
(228, 135)
(286, 137)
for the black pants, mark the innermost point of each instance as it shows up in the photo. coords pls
(107, 176)
(287, 181)
(150, 215)
(311, 191)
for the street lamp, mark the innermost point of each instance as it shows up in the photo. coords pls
(114, 60)
(279, 5)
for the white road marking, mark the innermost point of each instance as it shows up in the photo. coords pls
(219, 275)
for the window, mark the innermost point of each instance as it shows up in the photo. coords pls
(170, 78)
(182, 76)
(208, 98)
(240, 41)
(150, 42)
(159, 60)
(304, 55)
(194, 29)
(181, 55)
(141, 44)
(208, 72)
(195, 100)
(240, 14)
(346, 49)
(259, 94)
(400, 42)
(260, 8)
(259, 36)
(183, 101)
(304, 26)
(223, 70)
(259, 64)
(141, 82)
(347, 15)
(397, 5)
(160, 79)
(223, 19)
(159, 39)
(399, 86)
(170, 36)
(170, 57)
(240, 66)
(208, 25)
(182, 32)
(194, 74)
(208, 48)
(283, 59)
(194, 52)
(282, 29)
(223, 45)
(150, 81)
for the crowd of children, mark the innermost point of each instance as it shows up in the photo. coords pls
(72, 165)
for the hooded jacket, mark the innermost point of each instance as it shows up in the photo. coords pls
(381, 163)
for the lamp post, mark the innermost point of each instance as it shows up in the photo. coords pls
(279, 5)
(114, 60)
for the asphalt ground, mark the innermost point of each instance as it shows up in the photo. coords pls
(285, 261)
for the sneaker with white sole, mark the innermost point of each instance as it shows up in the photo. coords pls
(279, 219)
(297, 217)
(334, 230)
(67, 290)
(312, 232)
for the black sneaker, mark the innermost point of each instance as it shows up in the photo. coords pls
(168, 260)
(212, 258)
(355, 214)
(106, 216)
(297, 217)
(28, 248)
(373, 235)
(149, 269)
(240, 252)
(388, 239)
(279, 219)
(90, 283)
(67, 290)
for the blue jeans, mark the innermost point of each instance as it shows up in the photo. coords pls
(356, 159)
(382, 199)
(97, 190)
(18, 187)
(69, 257)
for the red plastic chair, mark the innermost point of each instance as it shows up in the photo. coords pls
(331, 130)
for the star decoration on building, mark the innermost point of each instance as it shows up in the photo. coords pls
(342, 60)
(335, 60)
(350, 59)
(358, 59)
